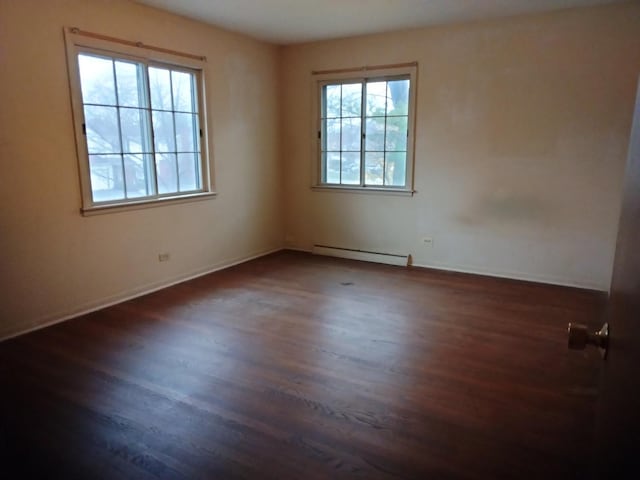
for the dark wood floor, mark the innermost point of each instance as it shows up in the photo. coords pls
(301, 367)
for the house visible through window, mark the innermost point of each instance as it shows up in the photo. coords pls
(365, 132)
(141, 128)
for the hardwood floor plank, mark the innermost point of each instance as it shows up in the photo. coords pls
(295, 366)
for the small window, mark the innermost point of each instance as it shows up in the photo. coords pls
(139, 126)
(365, 131)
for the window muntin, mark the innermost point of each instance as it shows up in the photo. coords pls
(364, 132)
(140, 123)
(141, 128)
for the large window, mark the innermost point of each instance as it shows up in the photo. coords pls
(139, 127)
(365, 131)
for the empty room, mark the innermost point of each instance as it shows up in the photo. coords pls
(294, 239)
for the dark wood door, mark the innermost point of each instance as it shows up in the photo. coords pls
(617, 441)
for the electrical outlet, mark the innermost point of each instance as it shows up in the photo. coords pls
(427, 241)
(163, 257)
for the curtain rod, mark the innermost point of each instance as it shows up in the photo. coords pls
(364, 68)
(77, 31)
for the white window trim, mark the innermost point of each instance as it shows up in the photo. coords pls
(361, 74)
(76, 43)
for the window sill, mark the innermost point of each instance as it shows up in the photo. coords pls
(368, 190)
(156, 202)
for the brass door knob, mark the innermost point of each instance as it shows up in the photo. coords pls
(580, 337)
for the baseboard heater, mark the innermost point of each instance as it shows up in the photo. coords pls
(364, 255)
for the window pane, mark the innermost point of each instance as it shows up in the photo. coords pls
(185, 126)
(106, 177)
(183, 94)
(166, 169)
(160, 84)
(101, 124)
(332, 135)
(395, 169)
(197, 133)
(163, 131)
(96, 79)
(374, 140)
(189, 175)
(383, 105)
(332, 101)
(129, 88)
(133, 124)
(351, 100)
(351, 168)
(374, 167)
(141, 126)
(332, 170)
(398, 104)
(137, 176)
(396, 134)
(351, 134)
(376, 99)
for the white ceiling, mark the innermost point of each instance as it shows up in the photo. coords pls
(295, 21)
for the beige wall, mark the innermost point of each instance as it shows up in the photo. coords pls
(522, 132)
(54, 262)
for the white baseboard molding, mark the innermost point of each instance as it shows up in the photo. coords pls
(125, 296)
(516, 276)
(297, 249)
(563, 282)
(363, 255)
